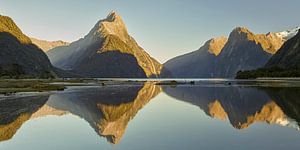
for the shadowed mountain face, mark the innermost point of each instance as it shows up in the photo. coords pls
(241, 106)
(200, 63)
(18, 56)
(288, 56)
(243, 51)
(285, 63)
(109, 60)
(15, 112)
(101, 49)
(223, 58)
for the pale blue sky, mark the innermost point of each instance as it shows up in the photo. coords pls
(164, 28)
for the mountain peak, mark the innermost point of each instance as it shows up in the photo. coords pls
(215, 45)
(8, 25)
(113, 16)
(241, 29)
(112, 25)
(106, 51)
(241, 34)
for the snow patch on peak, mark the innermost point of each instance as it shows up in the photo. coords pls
(288, 34)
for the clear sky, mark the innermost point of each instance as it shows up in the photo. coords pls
(164, 28)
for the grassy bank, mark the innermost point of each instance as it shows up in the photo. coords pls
(8, 87)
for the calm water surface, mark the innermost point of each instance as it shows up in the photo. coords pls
(149, 116)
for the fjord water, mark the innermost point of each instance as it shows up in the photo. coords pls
(148, 116)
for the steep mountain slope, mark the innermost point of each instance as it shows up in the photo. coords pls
(18, 56)
(106, 51)
(288, 56)
(200, 63)
(243, 51)
(285, 63)
(47, 45)
(222, 57)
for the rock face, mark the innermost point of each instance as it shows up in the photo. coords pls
(47, 45)
(200, 63)
(19, 57)
(106, 51)
(243, 51)
(222, 58)
(288, 56)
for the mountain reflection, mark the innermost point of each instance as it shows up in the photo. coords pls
(107, 109)
(243, 106)
(14, 112)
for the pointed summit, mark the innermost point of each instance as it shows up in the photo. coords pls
(111, 25)
(242, 33)
(113, 16)
(242, 29)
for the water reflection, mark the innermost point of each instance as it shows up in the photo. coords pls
(243, 106)
(14, 112)
(109, 109)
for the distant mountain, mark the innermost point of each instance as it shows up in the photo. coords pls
(285, 63)
(223, 58)
(48, 45)
(106, 51)
(19, 57)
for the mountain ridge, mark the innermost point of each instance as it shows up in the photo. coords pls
(48, 45)
(242, 50)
